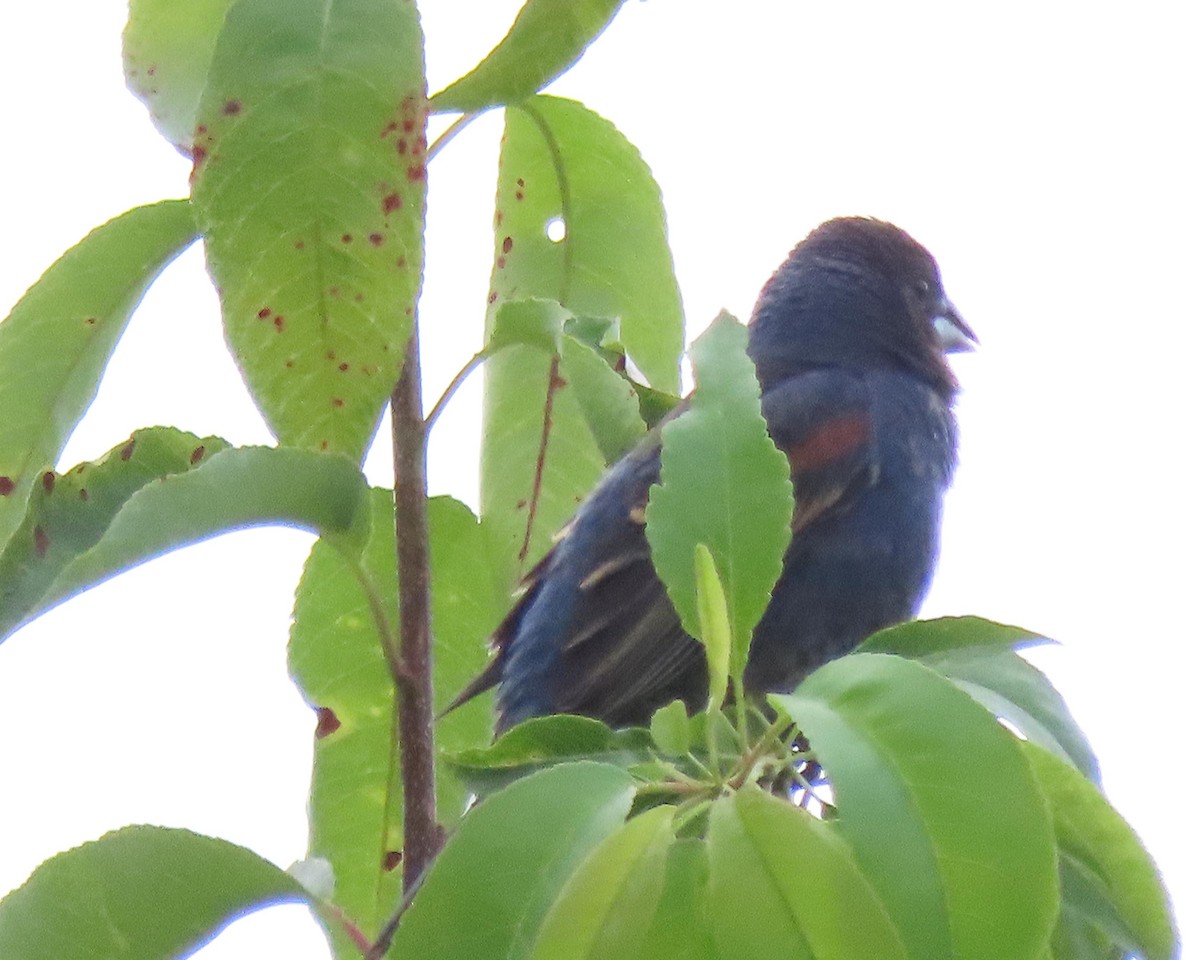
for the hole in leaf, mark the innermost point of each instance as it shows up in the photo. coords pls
(556, 229)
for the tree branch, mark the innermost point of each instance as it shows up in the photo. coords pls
(422, 835)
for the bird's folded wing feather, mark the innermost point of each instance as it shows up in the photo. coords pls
(621, 650)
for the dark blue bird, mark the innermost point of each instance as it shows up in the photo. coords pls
(849, 338)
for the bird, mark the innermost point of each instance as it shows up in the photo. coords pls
(849, 338)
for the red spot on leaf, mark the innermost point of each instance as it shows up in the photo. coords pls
(201, 129)
(346, 238)
(151, 70)
(392, 127)
(520, 195)
(127, 450)
(335, 292)
(409, 125)
(343, 367)
(327, 722)
(416, 172)
(493, 296)
(506, 245)
(522, 504)
(392, 859)
(391, 203)
(499, 218)
(289, 364)
(500, 262)
(6, 486)
(375, 239)
(520, 181)
(232, 108)
(90, 321)
(338, 402)
(48, 481)
(324, 444)
(402, 262)
(358, 298)
(41, 542)
(264, 313)
(330, 355)
(197, 455)
(402, 146)
(83, 494)
(299, 244)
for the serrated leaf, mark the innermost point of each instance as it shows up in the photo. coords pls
(607, 906)
(57, 340)
(725, 485)
(920, 638)
(167, 49)
(545, 40)
(671, 729)
(1108, 875)
(536, 322)
(336, 657)
(978, 655)
(784, 884)
(139, 893)
(606, 400)
(939, 805)
(141, 503)
(492, 884)
(560, 162)
(309, 183)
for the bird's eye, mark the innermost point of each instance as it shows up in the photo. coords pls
(922, 287)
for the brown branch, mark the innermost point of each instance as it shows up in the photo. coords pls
(414, 687)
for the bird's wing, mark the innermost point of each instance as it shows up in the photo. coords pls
(619, 650)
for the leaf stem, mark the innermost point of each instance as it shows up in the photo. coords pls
(452, 387)
(449, 134)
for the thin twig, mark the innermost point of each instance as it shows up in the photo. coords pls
(553, 384)
(449, 134)
(452, 388)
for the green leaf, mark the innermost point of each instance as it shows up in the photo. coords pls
(489, 889)
(336, 657)
(309, 184)
(939, 805)
(784, 884)
(160, 490)
(536, 322)
(168, 47)
(57, 340)
(921, 638)
(682, 927)
(671, 729)
(560, 162)
(713, 612)
(547, 741)
(725, 485)
(139, 893)
(1108, 875)
(607, 907)
(606, 399)
(979, 657)
(545, 40)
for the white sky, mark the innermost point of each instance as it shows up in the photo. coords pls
(1045, 152)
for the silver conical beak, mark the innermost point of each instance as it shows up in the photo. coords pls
(952, 331)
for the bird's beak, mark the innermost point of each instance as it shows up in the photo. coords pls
(951, 330)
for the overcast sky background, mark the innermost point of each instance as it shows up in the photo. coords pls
(1045, 152)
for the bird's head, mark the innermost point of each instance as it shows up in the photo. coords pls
(862, 294)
